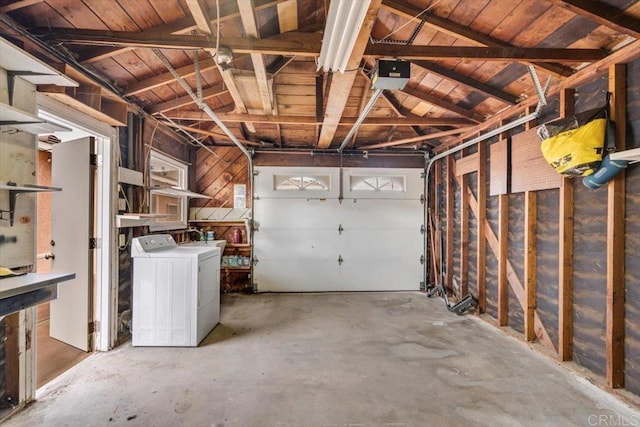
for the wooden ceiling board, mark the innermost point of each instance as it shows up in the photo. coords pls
(465, 12)
(493, 14)
(41, 14)
(541, 28)
(142, 13)
(523, 16)
(267, 20)
(112, 14)
(168, 11)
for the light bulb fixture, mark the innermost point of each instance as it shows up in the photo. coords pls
(224, 56)
(344, 21)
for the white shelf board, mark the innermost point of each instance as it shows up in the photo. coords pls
(632, 155)
(21, 120)
(177, 192)
(29, 188)
(12, 58)
(137, 220)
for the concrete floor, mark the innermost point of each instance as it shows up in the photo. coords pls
(367, 359)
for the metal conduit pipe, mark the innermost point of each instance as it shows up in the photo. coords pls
(476, 140)
(361, 117)
(204, 107)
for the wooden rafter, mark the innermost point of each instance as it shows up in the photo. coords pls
(489, 90)
(185, 100)
(480, 53)
(603, 14)
(18, 5)
(411, 120)
(585, 75)
(463, 32)
(443, 103)
(414, 139)
(341, 83)
(251, 30)
(217, 135)
(201, 16)
(308, 45)
(228, 10)
(166, 78)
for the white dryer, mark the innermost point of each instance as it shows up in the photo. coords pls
(176, 292)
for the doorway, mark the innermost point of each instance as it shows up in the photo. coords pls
(68, 328)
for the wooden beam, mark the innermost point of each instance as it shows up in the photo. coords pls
(411, 140)
(16, 5)
(463, 32)
(412, 52)
(503, 256)
(319, 98)
(276, 66)
(464, 235)
(481, 240)
(166, 78)
(185, 100)
(615, 238)
(217, 135)
(203, 21)
(341, 83)
(288, 16)
(289, 44)
(443, 103)
(448, 74)
(606, 15)
(565, 249)
(530, 219)
(363, 102)
(250, 24)
(344, 121)
(450, 212)
(228, 10)
(624, 55)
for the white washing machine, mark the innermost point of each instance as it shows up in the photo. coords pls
(176, 292)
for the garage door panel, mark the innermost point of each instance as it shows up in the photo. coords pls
(290, 245)
(398, 275)
(296, 214)
(381, 244)
(376, 214)
(298, 276)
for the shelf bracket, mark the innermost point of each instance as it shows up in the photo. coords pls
(11, 76)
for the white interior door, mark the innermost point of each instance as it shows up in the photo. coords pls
(72, 225)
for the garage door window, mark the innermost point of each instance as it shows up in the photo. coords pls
(302, 182)
(377, 183)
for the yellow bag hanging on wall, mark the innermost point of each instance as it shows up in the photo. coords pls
(577, 151)
(575, 145)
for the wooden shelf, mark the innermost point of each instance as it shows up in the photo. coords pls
(219, 223)
(241, 268)
(239, 245)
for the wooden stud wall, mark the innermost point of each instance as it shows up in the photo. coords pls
(543, 284)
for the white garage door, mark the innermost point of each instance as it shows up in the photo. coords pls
(309, 240)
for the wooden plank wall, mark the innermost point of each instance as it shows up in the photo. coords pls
(588, 273)
(216, 174)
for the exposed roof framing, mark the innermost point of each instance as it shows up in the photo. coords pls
(604, 15)
(467, 71)
(341, 83)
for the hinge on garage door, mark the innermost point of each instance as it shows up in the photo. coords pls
(423, 229)
(422, 199)
(422, 259)
(94, 326)
(255, 260)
